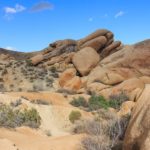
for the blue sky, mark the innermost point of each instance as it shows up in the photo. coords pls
(29, 25)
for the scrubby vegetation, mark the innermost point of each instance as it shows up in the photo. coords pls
(11, 117)
(96, 102)
(16, 103)
(117, 99)
(40, 101)
(104, 132)
(74, 116)
(77, 102)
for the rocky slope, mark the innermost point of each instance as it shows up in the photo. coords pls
(68, 70)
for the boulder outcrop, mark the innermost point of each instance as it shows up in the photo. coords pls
(138, 132)
(100, 40)
(105, 76)
(132, 60)
(69, 81)
(85, 60)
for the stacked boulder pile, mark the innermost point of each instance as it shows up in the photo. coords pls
(101, 41)
(106, 67)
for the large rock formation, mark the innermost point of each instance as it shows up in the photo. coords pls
(96, 64)
(100, 40)
(131, 60)
(138, 133)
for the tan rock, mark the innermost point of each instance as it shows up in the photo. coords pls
(145, 79)
(106, 51)
(85, 60)
(84, 81)
(68, 80)
(109, 42)
(74, 84)
(109, 35)
(96, 43)
(132, 87)
(36, 59)
(96, 87)
(135, 59)
(138, 132)
(126, 108)
(95, 34)
(66, 76)
(104, 76)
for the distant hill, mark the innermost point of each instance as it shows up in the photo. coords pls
(17, 55)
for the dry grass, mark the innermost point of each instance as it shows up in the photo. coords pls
(103, 132)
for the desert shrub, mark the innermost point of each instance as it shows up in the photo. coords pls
(11, 118)
(50, 80)
(80, 101)
(53, 69)
(104, 131)
(11, 85)
(19, 89)
(2, 88)
(31, 118)
(37, 87)
(23, 97)
(116, 100)
(40, 101)
(55, 75)
(96, 143)
(4, 72)
(29, 62)
(124, 121)
(90, 127)
(66, 91)
(74, 115)
(16, 103)
(96, 102)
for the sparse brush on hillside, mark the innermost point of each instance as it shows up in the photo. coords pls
(12, 118)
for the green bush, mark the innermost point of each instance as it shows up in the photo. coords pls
(74, 115)
(97, 102)
(116, 100)
(77, 102)
(10, 117)
(40, 101)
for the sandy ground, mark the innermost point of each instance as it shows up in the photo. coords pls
(54, 120)
(28, 139)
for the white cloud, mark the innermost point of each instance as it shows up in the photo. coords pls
(90, 19)
(13, 10)
(119, 14)
(42, 6)
(10, 48)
